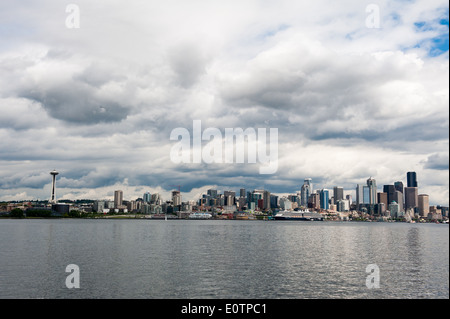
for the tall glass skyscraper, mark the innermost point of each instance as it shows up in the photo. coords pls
(372, 184)
(324, 198)
(411, 179)
(147, 197)
(305, 192)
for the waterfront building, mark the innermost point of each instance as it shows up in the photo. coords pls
(411, 197)
(398, 198)
(285, 203)
(380, 208)
(242, 203)
(383, 199)
(424, 205)
(349, 198)
(273, 201)
(393, 208)
(98, 206)
(343, 205)
(118, 198)
(294, 198)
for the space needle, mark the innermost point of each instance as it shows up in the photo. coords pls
(53, 173)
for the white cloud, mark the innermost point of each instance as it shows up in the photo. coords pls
(99, 102)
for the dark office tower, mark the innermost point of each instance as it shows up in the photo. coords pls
(399, 186)
(242, 192)
(229, 198)
(338, 194)
(390, 190)
(273, 201)
(212, 193)
(411, 179)
(411, 197)
(266, 200)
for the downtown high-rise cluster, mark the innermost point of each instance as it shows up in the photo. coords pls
(393, 200)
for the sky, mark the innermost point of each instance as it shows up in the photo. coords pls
(93, 89)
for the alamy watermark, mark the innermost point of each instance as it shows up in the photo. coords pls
(373, 19)
(73, 19)
(231, 147)
(73, 280)
(373, 279)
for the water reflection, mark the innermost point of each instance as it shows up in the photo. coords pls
(222, 259)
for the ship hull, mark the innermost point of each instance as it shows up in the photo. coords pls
(300, 216)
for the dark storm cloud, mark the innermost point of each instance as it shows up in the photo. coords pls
(77, 102)
(438, 161)
(346, 108)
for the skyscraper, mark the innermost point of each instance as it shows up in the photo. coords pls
(359, 194)
(176, 198)
(383, 199)
(411, 179)
(424, 205)
(118, 198)
(366, 195)
(212, 192)
(147, 197)
(338, 193)
(229, 198)
(324, 197)
(398, 198)
(411, 197)
(399, 186)
(390, 191)
(372, 184)
(266, 200)
(314, 201)
(305, 192)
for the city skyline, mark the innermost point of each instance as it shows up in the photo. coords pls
(406, 197)
(352, 95)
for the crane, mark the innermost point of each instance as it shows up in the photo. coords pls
(177, 186)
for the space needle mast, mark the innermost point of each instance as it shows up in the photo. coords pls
(53, 173)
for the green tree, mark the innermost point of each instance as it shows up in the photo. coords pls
(16, 213)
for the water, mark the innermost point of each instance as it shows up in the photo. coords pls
(222, 259)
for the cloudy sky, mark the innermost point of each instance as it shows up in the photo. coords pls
(356, 89)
